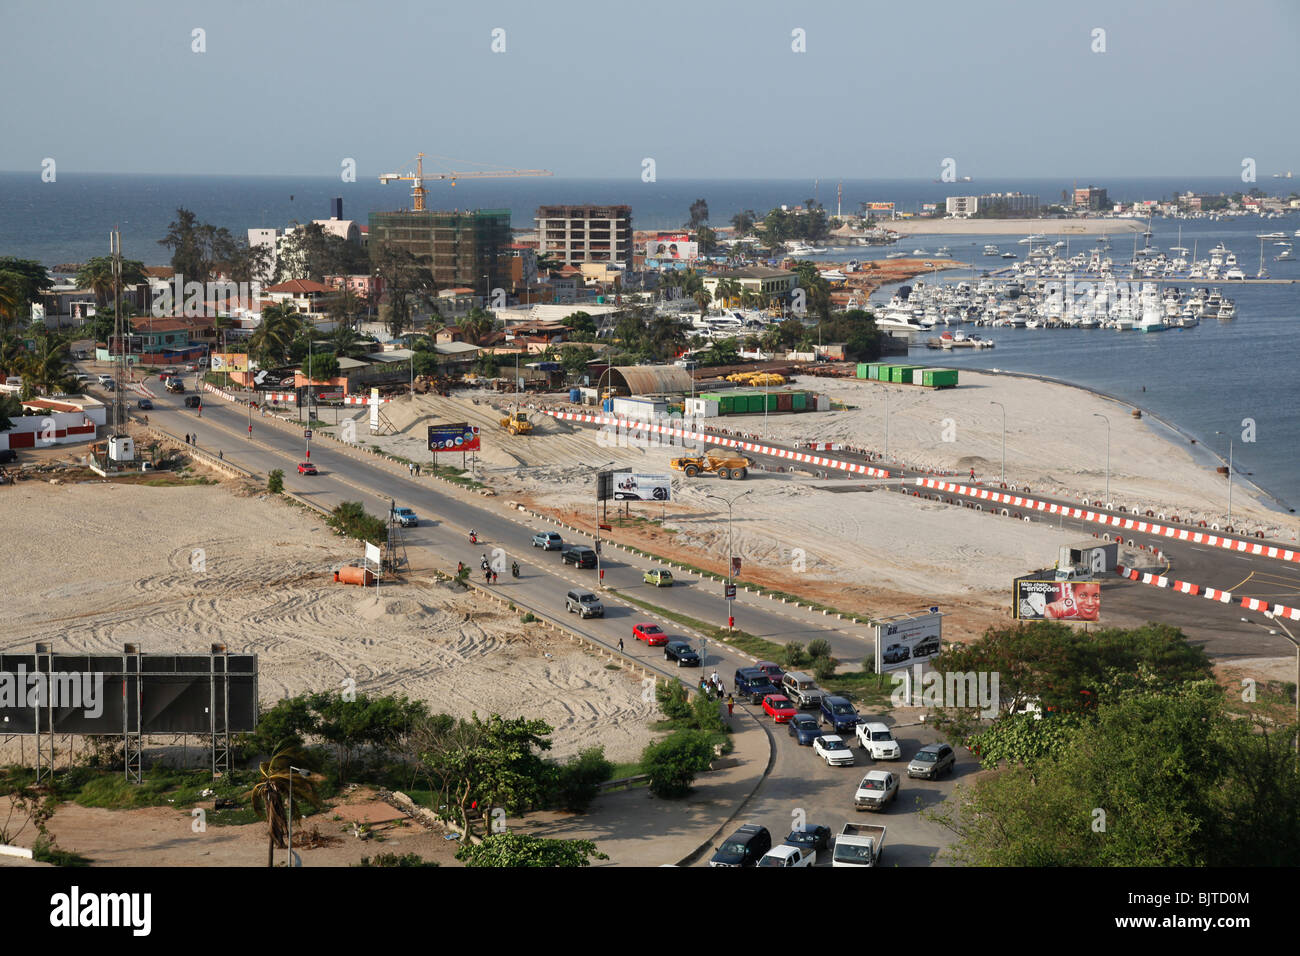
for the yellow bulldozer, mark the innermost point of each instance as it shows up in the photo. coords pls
(517, 423)
(714, 461)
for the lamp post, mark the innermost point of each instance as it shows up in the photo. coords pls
(288, 859)
(595, 535)
(1290, 637)
(886, 394)
(1107, 421)
(1229, 475)
(1004, 439)
(730, 620)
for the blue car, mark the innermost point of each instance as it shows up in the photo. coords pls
(839, 713)
(803, 728)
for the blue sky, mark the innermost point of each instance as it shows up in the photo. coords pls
(706, 89)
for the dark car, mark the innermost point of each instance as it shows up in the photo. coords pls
(932, 760)
(745, 847)
(175, 386)
(579, 557)
(926, 646)
(810, 838)
(753, 683)
(145, 404)
(839, 713)
(803, 728)
(7, 455)
(682, 653)
(193, 401)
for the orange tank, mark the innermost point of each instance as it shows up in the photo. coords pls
(354, 575)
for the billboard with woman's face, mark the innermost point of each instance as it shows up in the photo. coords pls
(1036, 600)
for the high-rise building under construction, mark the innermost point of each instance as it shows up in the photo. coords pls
(460, 247)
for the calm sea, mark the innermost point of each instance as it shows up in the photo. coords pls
(1203, 380)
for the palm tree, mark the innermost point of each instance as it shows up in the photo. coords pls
(279, 785)
(476, 326)
(45, 368)
(11, 298)
(729, 289)
(702, 299)
(97, 275)
(344, 339)
(344, 306)
(12, 353)
(270, 343)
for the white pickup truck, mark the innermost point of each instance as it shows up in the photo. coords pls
(786, 855)
(877, 790)
(878, 742)
(859, 844)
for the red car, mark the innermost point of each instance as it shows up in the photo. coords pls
(307, 468)
(652, 634)
(773, 672)
(779, 707)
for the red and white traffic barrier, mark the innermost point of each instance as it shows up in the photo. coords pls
(649, 429)
(220, 393)
(1112, 520)
(1213, 594)
(362, 400)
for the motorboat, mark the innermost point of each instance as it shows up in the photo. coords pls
(992, 250)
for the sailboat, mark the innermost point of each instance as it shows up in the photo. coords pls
(1180, 249)
(1262, 273)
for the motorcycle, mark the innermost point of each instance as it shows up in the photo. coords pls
(514, 569)
(473, 538)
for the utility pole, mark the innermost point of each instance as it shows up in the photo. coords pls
(731, 621)
(1004, 440)
(1107, 421)
(1230, 481)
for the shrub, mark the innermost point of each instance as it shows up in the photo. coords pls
(824, 667)
(819, 648)
(579, 780)
(351, 518)
(794, 655)
(392, 859)
(275, 481)
(706, 714)
(673, 762)
(673, 700)
(528, 618)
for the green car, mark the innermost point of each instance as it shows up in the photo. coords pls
(659, 578)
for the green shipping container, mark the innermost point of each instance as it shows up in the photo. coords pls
(896, 373)
(862, 370)
(882, 372)
(756, 402)
(941, 377)
(799, 402)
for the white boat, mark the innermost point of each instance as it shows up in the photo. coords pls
(991, 250)
(1234, 274)
(1008, 255)
(897, 255)
(919, 252)
(944, 251)
(1270, 235)
(1284, 256)
(1228, 310)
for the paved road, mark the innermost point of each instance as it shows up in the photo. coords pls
(1218, 626)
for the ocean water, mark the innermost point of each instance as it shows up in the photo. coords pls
(1202, 380)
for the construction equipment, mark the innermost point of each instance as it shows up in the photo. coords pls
(758, 379)
(517, 423)
(714, 461)
(417, 178)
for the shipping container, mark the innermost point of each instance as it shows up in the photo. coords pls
(881, 372)
(862, 369)
(784, 402)
(799, 402)
(898, 374)
(873, 370)
(575, 395)
(941, 378)
(918, 375)
(823, 402)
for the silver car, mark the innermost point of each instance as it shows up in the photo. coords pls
(548, 541)
(932, 760)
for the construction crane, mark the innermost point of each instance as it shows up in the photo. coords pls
(418, 178)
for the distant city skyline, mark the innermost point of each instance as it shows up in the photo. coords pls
(591, 91)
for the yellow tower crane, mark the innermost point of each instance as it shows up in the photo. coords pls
(417, 178)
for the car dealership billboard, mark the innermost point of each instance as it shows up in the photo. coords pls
(904, 639)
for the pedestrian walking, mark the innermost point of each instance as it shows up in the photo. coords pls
(620, 644)
(972, 474)
(487, 577)
(221, 455)
(417, 469)
(494, 577)
(731, 704)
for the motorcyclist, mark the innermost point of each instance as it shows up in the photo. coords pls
(514, 568)
(473, 536)
(483, 565)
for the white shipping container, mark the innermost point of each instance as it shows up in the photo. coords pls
(823, 403)
(701, 408)
(916, 376)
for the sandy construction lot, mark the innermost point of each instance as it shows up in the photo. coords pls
(91, 566)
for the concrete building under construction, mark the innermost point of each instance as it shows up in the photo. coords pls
(461, 247)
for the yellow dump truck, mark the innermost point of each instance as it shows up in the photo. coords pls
(714, 461)
(517, 423)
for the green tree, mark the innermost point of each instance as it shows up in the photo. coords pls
(21, 281)
(270, 345)
(380, 723)
(699, 215)
(351, 518)
(516, 850)
(46, 367)
(275, 481)
(321, 366)
(580, 322)
(408, 283)
(673, 762)
(673, 700)
(707, 239)
(743, 222)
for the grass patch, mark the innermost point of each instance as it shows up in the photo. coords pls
(742, 583)
(621, 770)
(862, 687)
(612, 667)
(454, 475)
(175, 481)
(635, 522)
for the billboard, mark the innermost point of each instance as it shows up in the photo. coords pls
(880, 206)
(229, 362)
(605, 483)
(904, 639)
(1038, 600)
(672, 248)
(457, 436)
(274, 378)
(630, 486)
(106, 693)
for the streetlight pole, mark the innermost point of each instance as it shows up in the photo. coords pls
(1230, 479)
(288, 859)
(886, 393)
(595, 535)
(1292, 638)
(730, 562)
(1004, 439)
(1107, 421)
